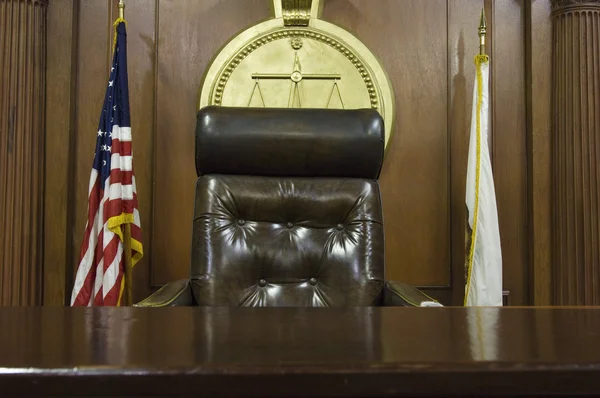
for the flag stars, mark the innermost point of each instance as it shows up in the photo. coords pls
(110, 83)
(100, 133)
(114, 108)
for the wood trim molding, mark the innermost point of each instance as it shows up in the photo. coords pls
(22, 94)
(538, 43)
(576, 152)
(60, 126)
(567, 5)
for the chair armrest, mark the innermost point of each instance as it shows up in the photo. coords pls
(178, 293)
(398, 294)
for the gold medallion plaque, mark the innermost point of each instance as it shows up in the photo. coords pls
(297, 60)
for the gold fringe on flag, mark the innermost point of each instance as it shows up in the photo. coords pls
(479, 60)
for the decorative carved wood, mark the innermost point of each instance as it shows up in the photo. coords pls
(564, 5)
(576, 152)
(22, 99)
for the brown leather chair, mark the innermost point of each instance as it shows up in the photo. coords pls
(287, 212)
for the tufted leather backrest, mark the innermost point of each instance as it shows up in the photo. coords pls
(281, 236)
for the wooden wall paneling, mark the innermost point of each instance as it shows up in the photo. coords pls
(189, 34)
(92, 73)
(463, 45)
(539, 107)
(61, 74)
(509, 143)
(22, 89)
(576, 151)
(414, 180)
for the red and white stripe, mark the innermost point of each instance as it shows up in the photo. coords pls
(100, 268)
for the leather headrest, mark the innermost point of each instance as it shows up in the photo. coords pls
(289, 142)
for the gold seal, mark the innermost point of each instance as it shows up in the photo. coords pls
(298, 60)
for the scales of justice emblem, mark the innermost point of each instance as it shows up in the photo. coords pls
(296, 77)
(298, 60)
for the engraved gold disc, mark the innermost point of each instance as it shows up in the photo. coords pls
(297, 60)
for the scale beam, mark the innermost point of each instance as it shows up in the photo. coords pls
(288, 76)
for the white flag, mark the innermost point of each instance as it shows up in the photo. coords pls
(484, 255)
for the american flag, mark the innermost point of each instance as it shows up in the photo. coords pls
(112, 195)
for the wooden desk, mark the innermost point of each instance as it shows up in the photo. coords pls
(275, 352)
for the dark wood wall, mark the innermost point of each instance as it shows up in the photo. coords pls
(538, 66)
(427, 48)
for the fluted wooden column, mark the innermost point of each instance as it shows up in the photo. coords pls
(576, 152)
(22, 99)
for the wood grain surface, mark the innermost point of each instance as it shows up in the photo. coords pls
(276, 352)
(539, 150)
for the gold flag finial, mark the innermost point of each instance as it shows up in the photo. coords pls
(121, 7)
(482, 32)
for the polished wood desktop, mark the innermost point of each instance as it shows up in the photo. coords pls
(293, 352)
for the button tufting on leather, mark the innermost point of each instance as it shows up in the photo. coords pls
(290, 224)
(340, 227)
(262, 283)
(312, 281)
(241, 222)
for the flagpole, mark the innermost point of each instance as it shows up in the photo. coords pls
(482, 32)
(121, 7)
(484, 286)
(127, 299)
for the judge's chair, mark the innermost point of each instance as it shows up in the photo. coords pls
(287, 212)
